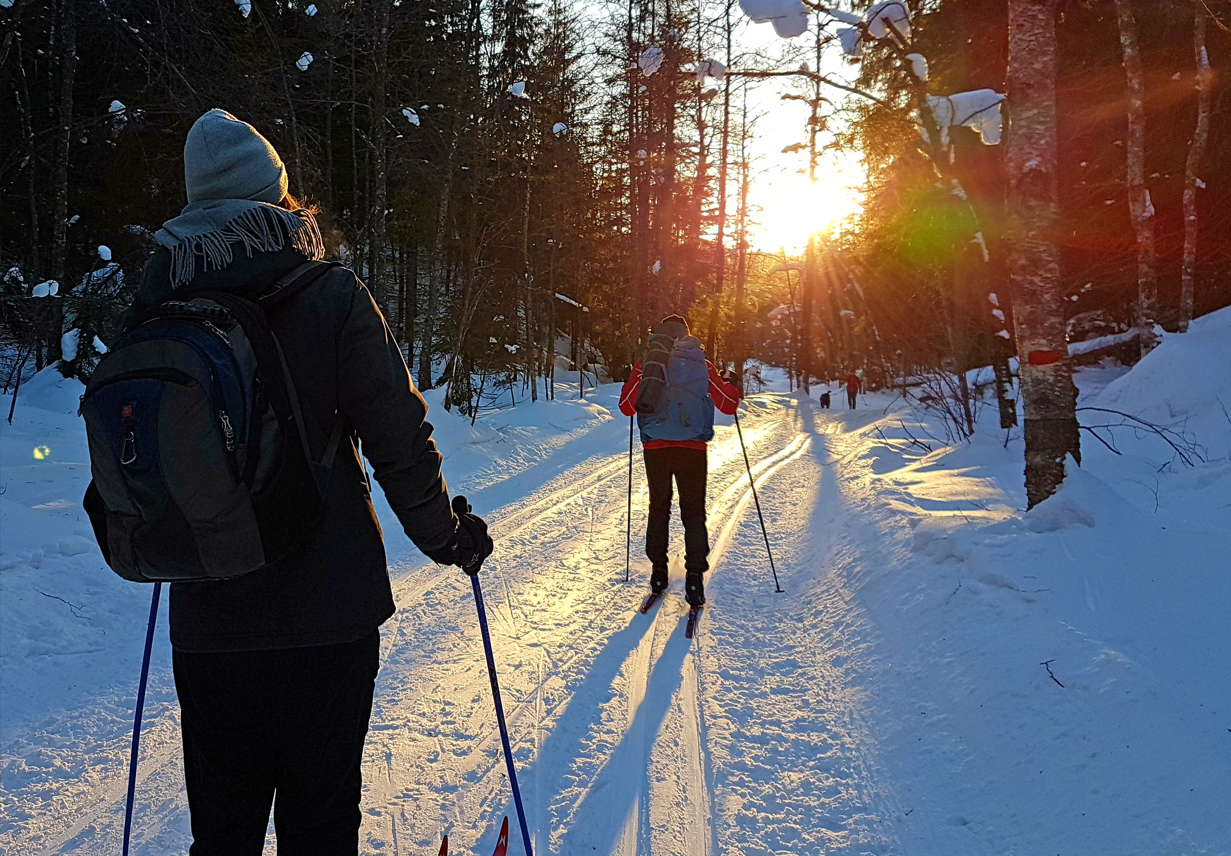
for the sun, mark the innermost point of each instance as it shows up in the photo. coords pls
(792, 208)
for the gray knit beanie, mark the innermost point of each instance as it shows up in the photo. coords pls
(225, 158)
(674, 326)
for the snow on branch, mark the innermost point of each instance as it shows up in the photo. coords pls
(245, 7)
(711, 67)
(304, 61)
(651, 60)
(789, 17)
(978, 110)
(518, 89)
(411, 116)
(887, 17)
(851, 39)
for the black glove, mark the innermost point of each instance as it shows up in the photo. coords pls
(470, 543)
(729, 376)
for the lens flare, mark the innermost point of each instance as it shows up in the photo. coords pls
(41, 453)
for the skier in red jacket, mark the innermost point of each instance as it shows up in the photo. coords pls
(685, 460)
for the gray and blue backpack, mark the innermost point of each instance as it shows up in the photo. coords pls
(199, 448)
(674, 401)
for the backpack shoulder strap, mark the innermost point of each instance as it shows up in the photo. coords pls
(295, 281)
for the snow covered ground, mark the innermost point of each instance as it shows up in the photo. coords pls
(944, 673)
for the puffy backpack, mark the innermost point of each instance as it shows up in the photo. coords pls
(198, 443)
(654, 373)
(684, 410)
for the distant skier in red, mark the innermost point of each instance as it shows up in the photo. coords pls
(854, 384)
(674, 397)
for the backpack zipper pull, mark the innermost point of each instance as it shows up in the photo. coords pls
(227, 430)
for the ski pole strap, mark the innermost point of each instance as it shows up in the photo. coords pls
(504, 730)
(145, 674)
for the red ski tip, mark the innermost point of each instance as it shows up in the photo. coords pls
(444, 847)
(502, 843)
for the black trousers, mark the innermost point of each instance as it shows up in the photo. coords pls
(851, 395)
(689, 468)
(283, 727)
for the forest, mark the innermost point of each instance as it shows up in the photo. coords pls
(526, 187)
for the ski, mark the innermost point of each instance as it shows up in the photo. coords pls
(502, 843)
(444, 847)
(648, 604)
(691, 627)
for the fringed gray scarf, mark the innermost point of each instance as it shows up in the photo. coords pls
(211, 229)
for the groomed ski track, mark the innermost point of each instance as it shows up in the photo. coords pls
(629, 738)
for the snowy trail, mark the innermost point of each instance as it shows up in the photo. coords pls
(885, 703)
(590, 686)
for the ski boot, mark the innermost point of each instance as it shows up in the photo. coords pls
(658, 579)
(694, 589)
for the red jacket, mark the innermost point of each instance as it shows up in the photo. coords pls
(725, 395)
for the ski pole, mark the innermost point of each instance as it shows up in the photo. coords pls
(145, 674)
(504, 729)
(460, 506)
(753, 484)
(628, 535)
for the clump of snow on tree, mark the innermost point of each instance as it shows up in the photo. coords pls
(918, 66)
(518, 89)
(789, 17)
(978, 110)
(104, 252)
(245, 7)
(311, 10)
(6, 4)
(68, 345)
(305, 60)
(886, 17)
(50, 288)
(411, 116)
(978, 239)
(559, 128)
(99, 346)
(651, 60)
(852, 42)
(117, 109)
(711, 68)
(658, 267)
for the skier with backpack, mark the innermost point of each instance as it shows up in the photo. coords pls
(222, 430)
(673, 391)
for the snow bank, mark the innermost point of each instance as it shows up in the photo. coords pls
(1185, 381)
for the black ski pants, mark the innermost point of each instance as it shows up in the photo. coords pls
(689, 468)
(851, 395)
(283, 727)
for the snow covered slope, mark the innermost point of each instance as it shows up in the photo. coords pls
(944, 674)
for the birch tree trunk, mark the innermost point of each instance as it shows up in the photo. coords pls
(1196, 151)
(1141, 209)
(1049, 398)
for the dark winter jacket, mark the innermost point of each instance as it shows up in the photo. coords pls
(343, 360)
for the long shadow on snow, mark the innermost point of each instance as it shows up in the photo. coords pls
(566, 742)
(600, 817)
